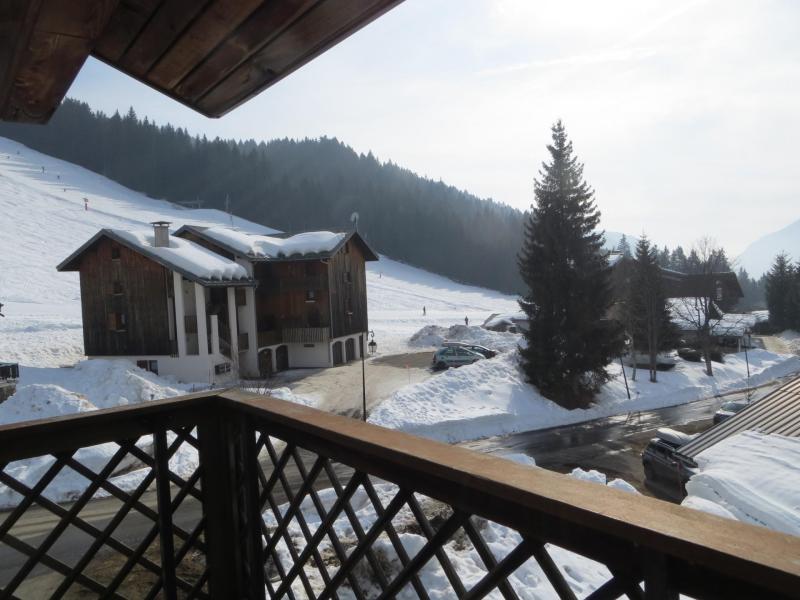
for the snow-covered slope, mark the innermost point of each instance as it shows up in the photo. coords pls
(42, 201)
(759, 255)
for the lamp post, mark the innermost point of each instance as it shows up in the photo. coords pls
(364, 377)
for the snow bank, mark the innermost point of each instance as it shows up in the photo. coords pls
(433, 335)
(490, 397)
(593, 476)
(47, 392)
(263, 246)
(792, 340)
(186, 255)
(751, 477)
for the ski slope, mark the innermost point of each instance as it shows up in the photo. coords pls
(42, 202)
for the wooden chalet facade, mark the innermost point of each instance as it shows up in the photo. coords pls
(162, 304)
(194, 306)
(310, 301)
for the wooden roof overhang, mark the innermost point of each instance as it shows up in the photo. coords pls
(369, 253)
(73, 262)
(211, 55)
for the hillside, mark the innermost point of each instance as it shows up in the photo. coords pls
(296, 185)
(46, 221)
(760, 254)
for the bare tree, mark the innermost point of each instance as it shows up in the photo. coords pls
(701, 309)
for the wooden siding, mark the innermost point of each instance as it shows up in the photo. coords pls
(145, 286)
(281, 300)
(348, 297)
(201, 241)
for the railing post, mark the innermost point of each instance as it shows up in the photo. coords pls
(164, 499)
(233, 535)
(657, 584)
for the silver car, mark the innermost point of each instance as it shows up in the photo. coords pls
(454, 356)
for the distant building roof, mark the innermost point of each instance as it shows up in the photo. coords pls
(777, 412)
(187, 258)
(264, 248)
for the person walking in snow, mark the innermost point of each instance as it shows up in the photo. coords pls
(424, 312)
(85, 204)
(466, 321)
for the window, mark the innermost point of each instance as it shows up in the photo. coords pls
(222, 368)
(115, 253)
(148, 365)
(116, 288)
(311, 296)
(116, 321)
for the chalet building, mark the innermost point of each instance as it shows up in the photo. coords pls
(210, 304)
(310, 300)
(162, 302)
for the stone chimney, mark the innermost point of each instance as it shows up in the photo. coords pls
(161, 231)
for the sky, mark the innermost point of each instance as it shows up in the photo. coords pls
(685, 113)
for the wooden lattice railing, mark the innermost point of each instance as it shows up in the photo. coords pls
(243, 496)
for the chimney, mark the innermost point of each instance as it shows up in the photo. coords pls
(161, 231)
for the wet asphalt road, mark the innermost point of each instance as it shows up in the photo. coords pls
(612, 445)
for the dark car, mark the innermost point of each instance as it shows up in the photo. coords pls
(482, 350)
(727, 410)
(663, 470)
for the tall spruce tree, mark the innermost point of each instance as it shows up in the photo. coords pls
(565, 269)
(624, 247)
(780, 283)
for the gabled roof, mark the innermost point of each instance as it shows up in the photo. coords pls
(778, 412)
(191, 260)
(309, 245)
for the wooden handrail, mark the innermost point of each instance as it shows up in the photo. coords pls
(701, 554)
(603, 520)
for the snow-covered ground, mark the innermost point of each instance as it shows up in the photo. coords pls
(792, 340)
(47, 222)
(51, 392)
(751, 477)
(490, 397)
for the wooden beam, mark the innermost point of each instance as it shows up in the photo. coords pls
(49, 51)
(125, 24)
(322, 27)
(161, 31)
(213, 26)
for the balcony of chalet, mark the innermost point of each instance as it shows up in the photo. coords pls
(237, 495)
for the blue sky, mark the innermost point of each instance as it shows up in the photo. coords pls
(684, 113)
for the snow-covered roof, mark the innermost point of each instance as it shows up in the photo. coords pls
(266, 246)
(186, 257)
(260, 247)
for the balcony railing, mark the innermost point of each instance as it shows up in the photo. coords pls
(305, 335)
(243, 496)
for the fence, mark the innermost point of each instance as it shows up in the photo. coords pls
(241, 496)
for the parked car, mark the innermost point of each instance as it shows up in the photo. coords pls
(483, 350)
(728, 409)
(662, 468)
(454, 356)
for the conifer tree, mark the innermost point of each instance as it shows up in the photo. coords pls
(623, 247)
(780, 282)
(563, 265)
(652, 329)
